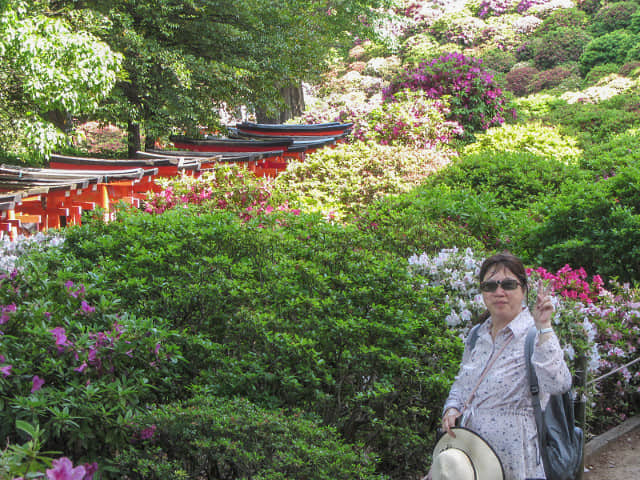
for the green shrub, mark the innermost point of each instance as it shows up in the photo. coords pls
(429, 218)
(595, 225)
(70, 346)
(230, 439)
(599, 72)
(609, 48)
(532, 137)
(562, 45)
(499, 60)
(301, 314)
(606, 158)
(613, 16)
(563, 18)
(420, 48)
(596, 123)
(342, 181)
(516, 178)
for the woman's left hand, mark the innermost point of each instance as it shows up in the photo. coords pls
(544, 307)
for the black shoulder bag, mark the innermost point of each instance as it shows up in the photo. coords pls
(561, 442)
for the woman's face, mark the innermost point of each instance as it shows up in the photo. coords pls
(503, 305)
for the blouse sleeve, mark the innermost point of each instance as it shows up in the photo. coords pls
(553, 374)
(458, 391)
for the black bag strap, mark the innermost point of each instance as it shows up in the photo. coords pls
(534, 388)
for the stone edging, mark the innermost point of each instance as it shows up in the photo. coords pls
(596, 444)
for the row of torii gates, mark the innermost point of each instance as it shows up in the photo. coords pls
(38, 199)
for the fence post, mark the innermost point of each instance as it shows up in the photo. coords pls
(580, 403)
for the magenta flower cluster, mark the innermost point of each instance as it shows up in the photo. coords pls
(477, 101)
(573, 284)
(236, 191)
(63, 469)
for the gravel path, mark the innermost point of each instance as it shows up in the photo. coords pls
(616, 455)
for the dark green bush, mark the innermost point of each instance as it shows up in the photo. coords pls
(517, 179)
(563, 18)
(430, 218)
(593, 225)
(606, 158)
(220, 439)
(599, 72)
(499, 60)
(561, 45)
(613, 16)
(609, 48)
(303, 315)
(596, 123)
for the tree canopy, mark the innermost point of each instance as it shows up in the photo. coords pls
(182, 60)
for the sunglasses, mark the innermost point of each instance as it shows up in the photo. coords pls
(492, 285)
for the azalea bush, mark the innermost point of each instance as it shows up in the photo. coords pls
(475, 99)
(590, 320)
(517, 178)
(594, 224)
(72, 362)
(412, 119)
(303, 313)
(225, 187)
(531, 137)
(342, 181)
(230, 439)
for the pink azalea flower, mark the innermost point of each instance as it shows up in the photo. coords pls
(6, 370)
(37, 383)
(63, 470)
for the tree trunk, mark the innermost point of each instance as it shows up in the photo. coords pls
(293, 97)
(149, 142)
(133, 140)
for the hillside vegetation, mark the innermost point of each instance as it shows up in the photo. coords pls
(310, 326)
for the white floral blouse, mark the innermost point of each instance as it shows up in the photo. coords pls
(501, 410)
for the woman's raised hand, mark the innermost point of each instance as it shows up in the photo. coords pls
(544, 307)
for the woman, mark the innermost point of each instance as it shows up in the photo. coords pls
(497, 404)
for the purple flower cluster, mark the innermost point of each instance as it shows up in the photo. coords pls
(477, 101)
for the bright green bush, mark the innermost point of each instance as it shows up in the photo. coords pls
(532, 137)
(343, 180)
(609, 48)
(221, 439)
(516, 178)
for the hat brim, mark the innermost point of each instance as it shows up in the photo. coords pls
(484, 458)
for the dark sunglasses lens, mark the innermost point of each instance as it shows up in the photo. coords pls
(509, 284)
(489, 286)
(492, 286)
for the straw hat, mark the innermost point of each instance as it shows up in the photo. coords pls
(466, 457)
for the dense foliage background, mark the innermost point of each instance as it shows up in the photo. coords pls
(310, 326)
